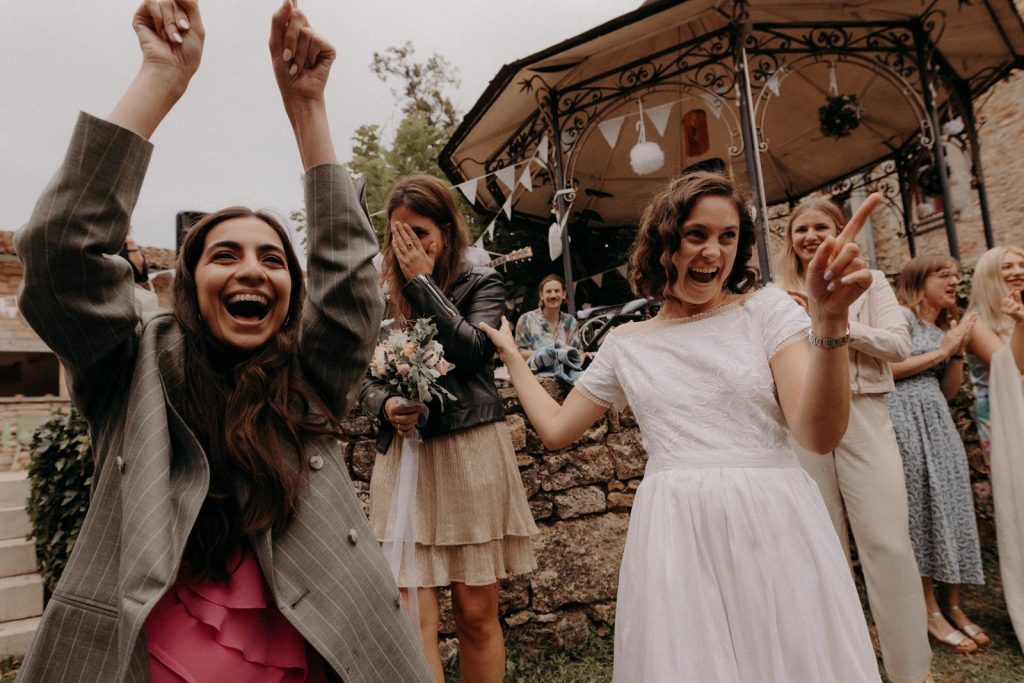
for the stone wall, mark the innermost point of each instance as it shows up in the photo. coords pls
(580, 497)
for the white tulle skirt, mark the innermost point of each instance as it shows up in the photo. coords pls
(736, 575)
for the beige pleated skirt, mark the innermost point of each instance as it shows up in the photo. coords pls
(473, 524)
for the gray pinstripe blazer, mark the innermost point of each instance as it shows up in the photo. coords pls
(327, 573)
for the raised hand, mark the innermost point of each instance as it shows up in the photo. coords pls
(1012, 306)
(837, 276)
(301, 57)
(171, 36)
(413, 259)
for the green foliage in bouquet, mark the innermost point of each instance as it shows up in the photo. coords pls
(411, 362)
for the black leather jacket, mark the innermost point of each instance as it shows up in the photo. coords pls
(477, 295)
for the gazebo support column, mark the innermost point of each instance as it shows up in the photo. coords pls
(752, 157)
(562, 204)
(966, 102)
(907, 202)
(938, 153)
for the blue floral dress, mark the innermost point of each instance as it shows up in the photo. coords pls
(943, 528)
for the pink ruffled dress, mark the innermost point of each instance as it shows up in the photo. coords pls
(217, 632)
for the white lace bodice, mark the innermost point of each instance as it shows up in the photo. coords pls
(701, 388)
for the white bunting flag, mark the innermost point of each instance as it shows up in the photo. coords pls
(555, 240)
(507, 207)
(659, 116)
(773, 84)
(479, 244)
(714, 104)
(610, 130)
(490, 231)
(622, 270)
(507, 176)
(542, 150)
(468, 188)
(526, 179)
(597, 279)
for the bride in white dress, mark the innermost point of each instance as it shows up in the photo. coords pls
(732, 571)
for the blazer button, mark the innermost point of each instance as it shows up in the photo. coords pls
(120, 464)
(353, 537)
(316, 462)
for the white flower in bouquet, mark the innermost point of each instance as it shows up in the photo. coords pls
(411, 361)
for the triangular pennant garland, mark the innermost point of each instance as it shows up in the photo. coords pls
(773, 84)
(507, 207)
(610, 130)
(525, 179)
(490, 231)
(714, 104)
(598, 278)
(468, 189)
(479, 244)
(507, 176)
(659, 116)
(542, 150)
(622, 270)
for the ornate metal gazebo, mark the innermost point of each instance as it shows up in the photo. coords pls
(728, 78)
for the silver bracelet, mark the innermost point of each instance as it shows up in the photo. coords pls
(828, 342)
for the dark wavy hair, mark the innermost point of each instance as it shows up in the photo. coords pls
(652, 272)
(430, 198)
(250, 412)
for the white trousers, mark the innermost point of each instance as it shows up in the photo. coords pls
(862, 480)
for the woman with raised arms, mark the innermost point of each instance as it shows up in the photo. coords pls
(224, 540)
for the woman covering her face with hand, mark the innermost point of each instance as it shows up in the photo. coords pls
(862, 478)
(472, 520)
(214, 547)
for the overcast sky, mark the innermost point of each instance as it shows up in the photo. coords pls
(228, 141)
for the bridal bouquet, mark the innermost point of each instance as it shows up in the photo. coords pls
(410, 361)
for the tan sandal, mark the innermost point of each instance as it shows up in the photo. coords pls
(970, 629)
(955, 640)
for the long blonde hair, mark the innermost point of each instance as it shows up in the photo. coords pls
(789, 268)
(910, 285)
(988, 289)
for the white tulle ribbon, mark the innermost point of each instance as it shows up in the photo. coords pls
(400, 535)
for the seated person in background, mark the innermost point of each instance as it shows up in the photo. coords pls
(546, 337)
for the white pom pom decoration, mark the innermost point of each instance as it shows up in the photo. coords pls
(646, 157)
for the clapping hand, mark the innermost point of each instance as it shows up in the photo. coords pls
(301, 57)
(1012, 306)
(171, 36)
(954, 343)
(837, 276)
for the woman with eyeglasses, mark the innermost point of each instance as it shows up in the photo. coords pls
(943, 529)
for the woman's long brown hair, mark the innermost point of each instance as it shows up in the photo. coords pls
(245, 409)
(430, 198)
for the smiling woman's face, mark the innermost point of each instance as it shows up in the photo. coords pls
(709, 240)
(243, 285)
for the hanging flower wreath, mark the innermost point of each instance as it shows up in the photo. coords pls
(840, 116)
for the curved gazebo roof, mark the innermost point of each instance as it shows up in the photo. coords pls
(726, 76)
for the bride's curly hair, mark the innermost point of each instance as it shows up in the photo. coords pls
(250, 411)
(652, 272)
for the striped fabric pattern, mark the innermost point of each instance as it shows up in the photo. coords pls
(327, 572)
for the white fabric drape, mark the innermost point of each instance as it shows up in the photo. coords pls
(1006, 397)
